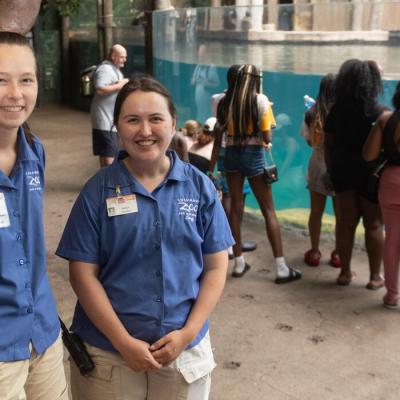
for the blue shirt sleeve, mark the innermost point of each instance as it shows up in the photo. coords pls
(217, 232)
(81, 238)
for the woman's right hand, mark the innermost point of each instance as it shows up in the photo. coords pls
(137, 355)
(84, 281)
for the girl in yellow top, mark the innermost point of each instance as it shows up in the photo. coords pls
(245, 118)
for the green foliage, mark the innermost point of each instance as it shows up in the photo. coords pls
(122, 11)
(86, 16)
(123, 8)
(66, 8)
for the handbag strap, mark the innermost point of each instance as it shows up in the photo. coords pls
(268, 150)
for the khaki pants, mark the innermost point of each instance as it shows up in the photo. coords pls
(187, 378)
(41, 377)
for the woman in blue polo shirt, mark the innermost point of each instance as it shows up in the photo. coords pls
(147, 243)
(31, 351)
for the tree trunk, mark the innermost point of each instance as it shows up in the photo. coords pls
(108, 25)
(148, 30)
(65, 57)
(148, 41)
(100, 31)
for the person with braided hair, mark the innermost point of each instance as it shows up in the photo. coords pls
(245, 119)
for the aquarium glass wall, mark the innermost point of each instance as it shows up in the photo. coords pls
(193, 48)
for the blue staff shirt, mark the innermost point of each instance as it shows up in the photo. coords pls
(27, 307)
(151, 261)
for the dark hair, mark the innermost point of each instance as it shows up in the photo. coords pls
(232, 75)
(358, 85)
(15, 39)
(223, 105)
(323, 104)
(326, 93)
(144, 83)
(240, 100)
(396, 97)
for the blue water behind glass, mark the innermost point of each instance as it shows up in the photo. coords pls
(286, 91)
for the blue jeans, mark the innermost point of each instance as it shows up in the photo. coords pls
(248, 160)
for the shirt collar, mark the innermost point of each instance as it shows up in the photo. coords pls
(25, 152)
(179, 169)
(119, 174)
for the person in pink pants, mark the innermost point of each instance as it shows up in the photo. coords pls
(385, 135)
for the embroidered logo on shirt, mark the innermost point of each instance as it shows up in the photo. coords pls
(188, 208)
(33, 180)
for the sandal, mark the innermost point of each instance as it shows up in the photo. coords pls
(312, 258)
(375, 284)
(294, 275)
(335, 260)
(236, 274)
(248, 246)
(345, 280)
(390, 304)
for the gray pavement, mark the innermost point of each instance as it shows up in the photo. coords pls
(308, 340)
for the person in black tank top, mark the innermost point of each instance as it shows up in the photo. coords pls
(346, 128)
(385, 137)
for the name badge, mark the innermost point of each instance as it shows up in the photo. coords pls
(4, 218)
(121, 205)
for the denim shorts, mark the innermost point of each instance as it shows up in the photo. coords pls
(249, 160)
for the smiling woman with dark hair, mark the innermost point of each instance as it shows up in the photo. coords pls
(31, 351)
(146, 242)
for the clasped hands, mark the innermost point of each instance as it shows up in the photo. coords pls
(141, 356)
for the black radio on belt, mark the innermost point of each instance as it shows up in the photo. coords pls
(77, 350)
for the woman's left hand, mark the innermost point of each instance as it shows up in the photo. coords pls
(169, 347)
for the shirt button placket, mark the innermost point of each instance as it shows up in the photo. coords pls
(158, 272)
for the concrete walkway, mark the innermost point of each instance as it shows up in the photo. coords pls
(306, 340)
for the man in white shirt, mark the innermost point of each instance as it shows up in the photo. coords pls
(108, 81)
